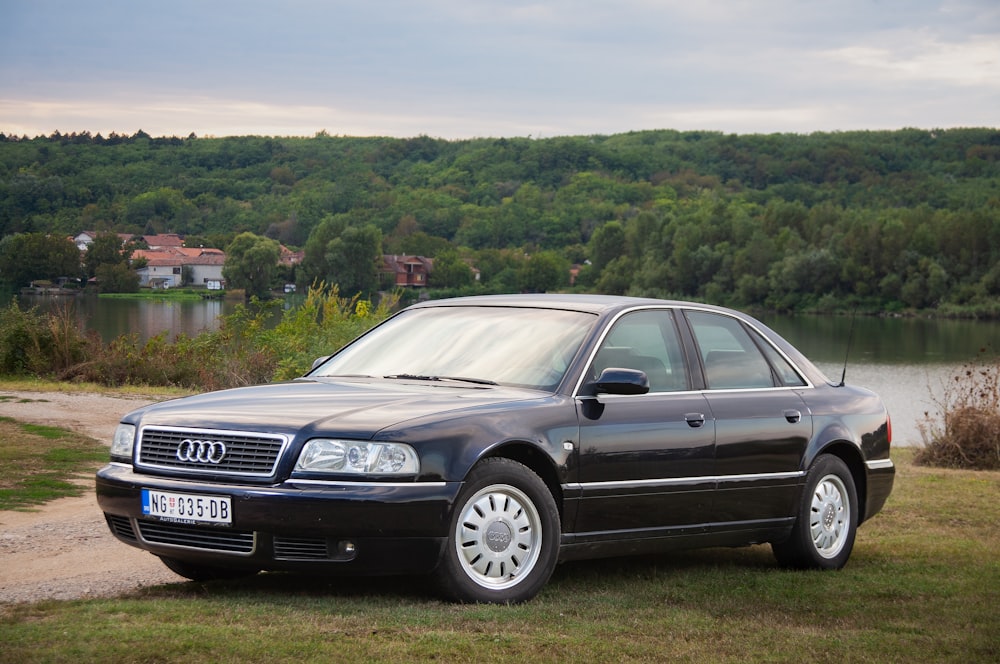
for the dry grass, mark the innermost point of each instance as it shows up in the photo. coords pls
(967, 433)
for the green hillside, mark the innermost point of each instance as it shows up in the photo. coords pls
(882, 220)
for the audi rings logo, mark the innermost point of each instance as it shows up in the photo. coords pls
(201, 451)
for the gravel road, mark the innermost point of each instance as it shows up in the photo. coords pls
(64, 550)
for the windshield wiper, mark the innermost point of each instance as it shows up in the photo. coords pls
(462, 379)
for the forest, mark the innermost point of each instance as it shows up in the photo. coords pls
(877, 221)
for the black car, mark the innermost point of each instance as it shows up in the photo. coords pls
(485, 439)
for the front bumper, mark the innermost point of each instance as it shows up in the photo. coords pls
(325, 527)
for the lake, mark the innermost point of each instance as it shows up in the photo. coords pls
(905, 360)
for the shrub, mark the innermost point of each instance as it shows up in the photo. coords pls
(321, 325)
(968, 433)
(37, 344)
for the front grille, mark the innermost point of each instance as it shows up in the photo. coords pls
(195, 537)
(122, 527)
(246, 454)
(300, 548)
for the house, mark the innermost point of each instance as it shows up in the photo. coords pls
(205, 265)
(163, 269)
(164, 241)
(170, 267)
(289, 257)
(84, 239)
(407, 270)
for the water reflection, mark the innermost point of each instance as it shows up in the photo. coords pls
(111, 318)
(889, 340)
(906, 361)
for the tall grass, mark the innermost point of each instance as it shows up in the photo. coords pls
(248, 348)
(966, 432)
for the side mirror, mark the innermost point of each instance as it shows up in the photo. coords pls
(318, 361)
(620, 381)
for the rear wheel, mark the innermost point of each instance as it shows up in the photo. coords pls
(200, 572)
(823, 535)
(503, 541)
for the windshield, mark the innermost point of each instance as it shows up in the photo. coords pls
(502, 345)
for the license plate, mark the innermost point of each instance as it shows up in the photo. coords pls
(187, 508)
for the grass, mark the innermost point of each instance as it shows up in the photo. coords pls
(41, 463)
(22, 384)
(163, 294)
(923, 585)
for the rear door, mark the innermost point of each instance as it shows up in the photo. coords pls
(762, 425)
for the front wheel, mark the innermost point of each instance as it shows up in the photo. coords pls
(823, 535)
(503, 540)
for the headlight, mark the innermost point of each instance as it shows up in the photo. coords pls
(122, 443)
(347, 456)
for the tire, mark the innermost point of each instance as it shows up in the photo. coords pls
(199, 572)
(827, 519)
(503, 537)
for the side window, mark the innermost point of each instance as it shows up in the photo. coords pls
(730, 357)
(646, 341)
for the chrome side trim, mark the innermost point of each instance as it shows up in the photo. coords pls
(879, 464)
(677, 310)
(615, 397)
(676, 481)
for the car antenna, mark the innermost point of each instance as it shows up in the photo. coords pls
(850, 338)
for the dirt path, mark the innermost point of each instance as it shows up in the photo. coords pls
(65, 550)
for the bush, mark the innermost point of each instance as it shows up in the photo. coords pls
(37, 344)
(321, 325)
(968, 434)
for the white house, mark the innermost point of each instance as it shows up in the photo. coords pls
(165, 268)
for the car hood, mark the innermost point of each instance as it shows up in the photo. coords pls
(356, 406)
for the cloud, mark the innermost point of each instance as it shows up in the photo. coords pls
(922, 57)
(455, 68)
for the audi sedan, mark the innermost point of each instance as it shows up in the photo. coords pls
(483, 440)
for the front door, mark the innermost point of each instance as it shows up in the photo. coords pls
(645, 461)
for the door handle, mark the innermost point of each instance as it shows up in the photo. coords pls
(695, 420)
(793, 416)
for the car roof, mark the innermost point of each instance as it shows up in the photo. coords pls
(596, 304)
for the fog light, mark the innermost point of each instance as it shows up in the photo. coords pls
(347, 548)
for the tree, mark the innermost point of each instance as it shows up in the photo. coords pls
(105, 250)
(354, 260)
(116, 278)
(450, 271)
(543, 272)
(26, 257)
(606, 244)
(251, 263)
(349, 256)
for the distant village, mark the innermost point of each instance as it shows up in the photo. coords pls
(167, 263)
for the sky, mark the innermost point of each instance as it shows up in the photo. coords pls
(495, 68)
